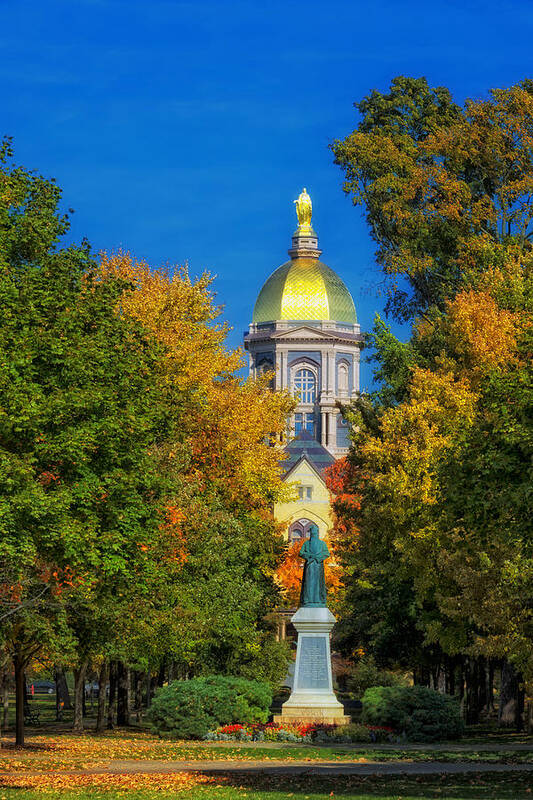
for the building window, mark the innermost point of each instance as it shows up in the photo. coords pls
(299, 530)
(262, 368)
(305, 385)
(305, 492)
(304, 422)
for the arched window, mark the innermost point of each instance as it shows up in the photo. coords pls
(305, 385)
(299, 530)
(296, 532)
(343, 379)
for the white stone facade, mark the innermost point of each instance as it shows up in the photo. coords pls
(317, 362)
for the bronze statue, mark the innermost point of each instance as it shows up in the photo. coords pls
(315, 552)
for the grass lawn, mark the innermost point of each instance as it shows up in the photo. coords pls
(66, 751)
(53, 750)
(192, 787)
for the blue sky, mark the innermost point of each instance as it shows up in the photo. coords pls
(183, 131)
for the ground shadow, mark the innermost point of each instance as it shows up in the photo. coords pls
(474, 786)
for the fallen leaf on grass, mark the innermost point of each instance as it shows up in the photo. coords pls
(56, 782)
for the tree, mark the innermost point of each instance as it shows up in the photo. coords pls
(81, 413)
(441, 456)
(206, 613)
(440, 184)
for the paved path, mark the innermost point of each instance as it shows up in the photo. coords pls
(433, 747)
(323, 768)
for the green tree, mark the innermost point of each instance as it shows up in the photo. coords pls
(80, 412)
(440, 184)
(441, 456)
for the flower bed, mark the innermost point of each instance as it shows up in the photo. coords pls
(321, 734)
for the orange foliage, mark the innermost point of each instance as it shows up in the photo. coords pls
(180, 313)
(47, 478)
(340, 480)
(174, 546)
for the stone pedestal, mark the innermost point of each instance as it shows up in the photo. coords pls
(312, 698)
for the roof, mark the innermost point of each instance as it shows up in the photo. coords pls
(305, 446)
(304, 288)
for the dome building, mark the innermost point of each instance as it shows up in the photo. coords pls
(305, 331)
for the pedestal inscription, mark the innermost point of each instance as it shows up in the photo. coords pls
(313, 667)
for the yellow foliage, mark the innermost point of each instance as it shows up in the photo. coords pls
(180, 313)
(415, 434)
(480, 330)
(232, 422)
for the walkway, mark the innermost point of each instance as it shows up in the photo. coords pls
(322, 768)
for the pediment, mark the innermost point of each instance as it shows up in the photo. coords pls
(303, 332)
(304, 459)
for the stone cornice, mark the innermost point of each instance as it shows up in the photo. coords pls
(314, 337)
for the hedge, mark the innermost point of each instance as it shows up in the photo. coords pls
(423, 715)
(189, 709)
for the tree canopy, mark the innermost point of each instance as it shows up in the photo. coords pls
(440, 463)
(137, 472)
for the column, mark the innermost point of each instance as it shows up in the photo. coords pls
(323, 428)
(332, 433)
(284, 382)
(323, 371)
(278, 371)
(355, 374)
(331, 373)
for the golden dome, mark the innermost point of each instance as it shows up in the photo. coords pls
(304, 289)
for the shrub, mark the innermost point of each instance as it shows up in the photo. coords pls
(189, 709)
(423, 715)
(366, 674)
(355, 732)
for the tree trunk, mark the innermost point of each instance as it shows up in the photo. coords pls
(450, 676)
(171, 671)
(490, 688)
(123, 710)
(62, 692)
(79, 692)
(112, 695)
(19, 664)
(472, 695)
(483, 684)
(520, 701)
(4, 699)
(148, 687)
(462, 693)
(102, 684)
(138, 697)
(511, 698)
(84, 700)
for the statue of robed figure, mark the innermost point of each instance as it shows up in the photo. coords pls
(314, 551)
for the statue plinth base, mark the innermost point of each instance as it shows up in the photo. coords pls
(312, 699)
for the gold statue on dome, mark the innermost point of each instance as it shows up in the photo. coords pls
(304, 210)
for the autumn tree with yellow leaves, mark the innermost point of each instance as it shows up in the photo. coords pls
(223, 472)
(230, 424)
(440, 559)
